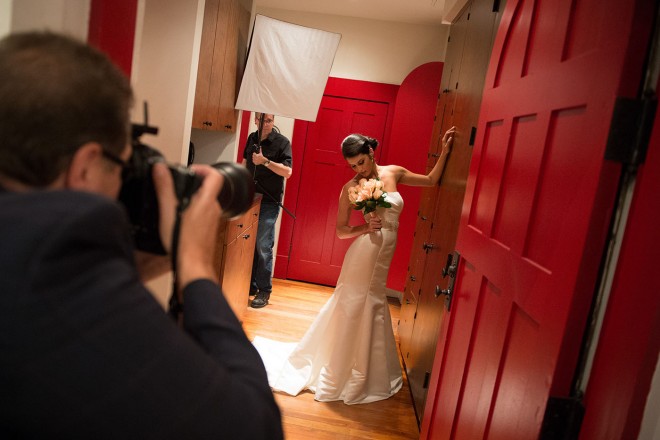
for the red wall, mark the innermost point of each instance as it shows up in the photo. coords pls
(410, 140)
(364, 90)
(112, 29)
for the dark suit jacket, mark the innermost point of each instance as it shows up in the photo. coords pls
(85, 350)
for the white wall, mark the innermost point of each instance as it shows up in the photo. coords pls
(5, 17)
(164, 73)
(452, 9)
(67, 16)
(650, 429)
(373, 50)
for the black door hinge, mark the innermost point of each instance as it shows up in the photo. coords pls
(427, 379)
(563, 419)
(630, 130)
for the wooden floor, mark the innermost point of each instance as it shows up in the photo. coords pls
(292, 307)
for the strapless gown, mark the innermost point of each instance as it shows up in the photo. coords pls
(349, 352)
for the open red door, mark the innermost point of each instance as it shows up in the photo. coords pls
(535, 216)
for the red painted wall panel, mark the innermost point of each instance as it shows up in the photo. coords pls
(335, 87)
(112, 29)
(410, 140)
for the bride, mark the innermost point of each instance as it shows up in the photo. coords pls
(349, 352)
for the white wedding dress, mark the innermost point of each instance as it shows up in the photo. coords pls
(349, 352)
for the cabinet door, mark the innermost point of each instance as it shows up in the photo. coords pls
(235, 281)
(205, 67)
(220, 65)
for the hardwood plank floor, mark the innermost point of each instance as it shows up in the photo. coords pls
(292, 308)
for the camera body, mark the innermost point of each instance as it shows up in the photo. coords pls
(138, 193)
(254, 148)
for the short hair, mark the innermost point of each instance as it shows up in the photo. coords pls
(257, 115)
(355, 144)
(56, 94)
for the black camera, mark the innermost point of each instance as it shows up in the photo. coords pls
(138, 193)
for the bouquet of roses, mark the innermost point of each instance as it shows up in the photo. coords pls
(368, 195)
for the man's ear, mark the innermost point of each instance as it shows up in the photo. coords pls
(84, 166)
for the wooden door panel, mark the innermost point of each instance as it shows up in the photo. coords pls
(205, 66)
(405, 328)
(471, 40)
(316, 252)
(409, 344)
(236, 281)
(530, 238)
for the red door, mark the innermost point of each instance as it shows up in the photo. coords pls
(537, 206)
(316, 252)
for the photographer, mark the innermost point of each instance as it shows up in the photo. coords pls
(87, 352)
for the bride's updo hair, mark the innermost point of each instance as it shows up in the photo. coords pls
(355, 144)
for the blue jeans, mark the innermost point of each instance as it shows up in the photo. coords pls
(262, 265)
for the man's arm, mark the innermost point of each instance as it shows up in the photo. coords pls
(106, 351)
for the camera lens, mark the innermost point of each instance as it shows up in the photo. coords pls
(237, 191)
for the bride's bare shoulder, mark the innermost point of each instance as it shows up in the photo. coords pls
(354, 181)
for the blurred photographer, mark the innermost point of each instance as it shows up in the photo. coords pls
(86, 351)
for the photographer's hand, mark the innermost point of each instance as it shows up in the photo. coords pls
(258, 158)
(198, 228)
(167, 203)
(150, 265)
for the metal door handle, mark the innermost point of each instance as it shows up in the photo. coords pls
(447, 268)
(451, 269)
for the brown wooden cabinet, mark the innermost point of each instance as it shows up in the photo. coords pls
(233, 257)
(221, 65)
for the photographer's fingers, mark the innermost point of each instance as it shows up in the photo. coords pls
(167, 202)
(199, 225)
(258, 158)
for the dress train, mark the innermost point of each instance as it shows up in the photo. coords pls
(349, 352)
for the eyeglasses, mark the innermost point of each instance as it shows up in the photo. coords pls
(115, 159)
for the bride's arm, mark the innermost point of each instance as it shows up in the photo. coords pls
(343, 229)
(406, 177)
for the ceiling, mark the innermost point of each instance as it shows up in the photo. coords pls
(425, 12)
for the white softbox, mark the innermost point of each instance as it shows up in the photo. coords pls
(287, 69)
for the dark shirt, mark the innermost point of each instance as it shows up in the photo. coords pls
(276, 148)
(86, 351)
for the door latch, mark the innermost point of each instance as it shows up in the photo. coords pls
(450, 269)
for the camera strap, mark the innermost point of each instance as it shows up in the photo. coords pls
(176, 307)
